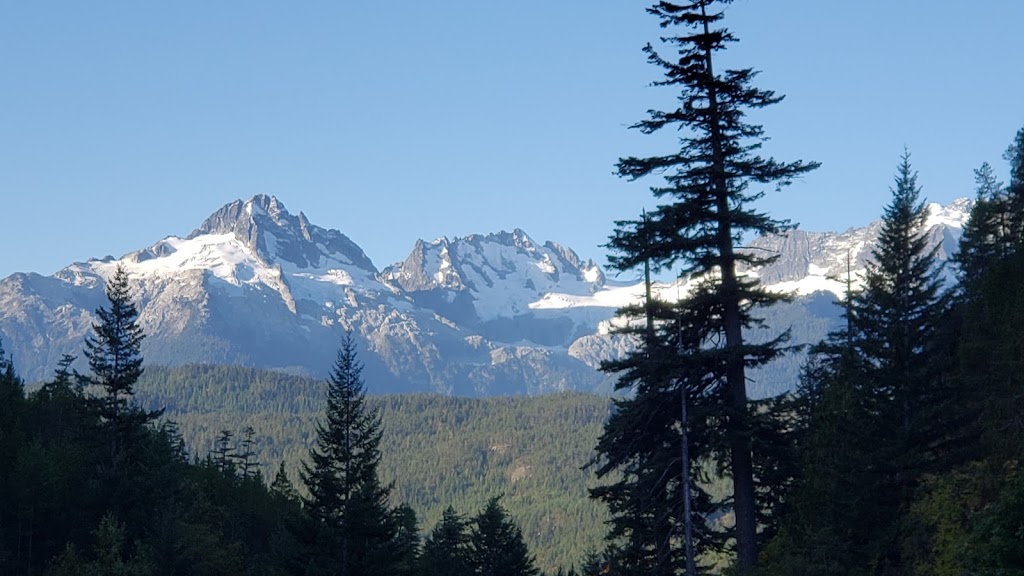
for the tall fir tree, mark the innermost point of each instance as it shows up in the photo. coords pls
(1015, 190)
(991, 261)
(496, 544)
(114, 348)
(896, 321)
(446, 549)
(981, 243)
(347, 502)
(114, 352)
(708, 209)
(646, 500)
(897, 316)
(12, 408)
(879, 411)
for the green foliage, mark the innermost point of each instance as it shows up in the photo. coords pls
(909, 430)
(436, 451)
(877, 407)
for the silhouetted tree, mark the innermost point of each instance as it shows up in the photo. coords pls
(115, 364)
(347, 502)
(446, 549)
(706, 210)
(496, 544)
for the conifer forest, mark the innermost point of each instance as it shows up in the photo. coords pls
(898, 451)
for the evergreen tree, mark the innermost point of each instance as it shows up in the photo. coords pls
(115, 363)
(12, 407)
(496, 544)
(991, 261)
(347, 502)
(896, 321)
(248, 465)
(114, 349)
(446, 549)
(405, 543)
(995, 230)
(223, 453)
(282, 485)
(1015, 191)
(12, 399)
(879, 410)
(982, 244)
(646, 501)
(707, 185)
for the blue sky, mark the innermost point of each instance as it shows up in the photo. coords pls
(124, 122)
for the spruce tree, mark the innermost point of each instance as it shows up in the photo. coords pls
(707, 199)
(642, 443)
(347, 502)
(114, 348)
(12, 412)
(991, 261)
(114, 352)
(1015, 191)
(982, 242)
(878, 410)
(496, 544)
(446, 549)
(282, 485)
(897, 315)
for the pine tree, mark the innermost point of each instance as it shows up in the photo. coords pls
(347, 502)
(878, 409)
(404, 548)
(995, 230)
(991, 262)
(282, 485)
(496, 544)
(12, 408)
(646, 501)
(12, 399)
(223, 453)
(897, 316)
(446, 549)
(707, 185)
(114, 348)
(1015, 191)
(247, 465)
(115, 363)
(982, 241)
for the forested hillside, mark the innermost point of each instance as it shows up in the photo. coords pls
(438, 451)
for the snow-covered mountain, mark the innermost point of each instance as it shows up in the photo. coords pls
(485, 314)
(817, 261)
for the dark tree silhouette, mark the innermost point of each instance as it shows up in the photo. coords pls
(707, 199)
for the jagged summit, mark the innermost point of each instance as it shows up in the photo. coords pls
(497, 275)
(486, 313)
(817, 261)
(264, 225)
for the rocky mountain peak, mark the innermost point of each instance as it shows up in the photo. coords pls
(819, 259)
(264, 224)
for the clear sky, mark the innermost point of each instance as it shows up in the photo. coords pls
(123, 122)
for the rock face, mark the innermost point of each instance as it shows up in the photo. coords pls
(481, 315)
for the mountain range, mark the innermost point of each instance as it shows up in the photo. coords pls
(487, 314)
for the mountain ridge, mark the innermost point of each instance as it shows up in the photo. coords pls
(482, 314)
